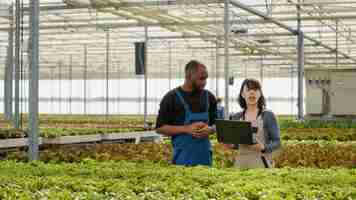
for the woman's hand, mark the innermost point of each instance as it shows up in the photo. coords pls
(228, 146)
(259, 146)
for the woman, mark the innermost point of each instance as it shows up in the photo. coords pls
(266, 136)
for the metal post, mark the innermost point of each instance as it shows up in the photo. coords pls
(337, 44)
(212, 67)
(350, 35)
(17, 64)
(33, 93)
(60, 87)
(85, 78)
(107, 71)
(8, 85)
(52, 90)
(9, 69)
(70, 82)
(118, 88)
(226, 44)
(300, 75)
(300, 67)
(170, 65)
(261, 70)
(145, 77)
(217, 68)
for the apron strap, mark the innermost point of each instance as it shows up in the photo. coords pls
(181, 99)
(207, 104)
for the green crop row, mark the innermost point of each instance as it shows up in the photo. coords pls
(328, 134)
(136, 181)
(57, 132)
(316, 124)
(6, 133)
(316, 154)
(320, 154)
(137, 120)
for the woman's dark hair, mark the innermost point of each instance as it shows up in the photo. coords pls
(252, 84)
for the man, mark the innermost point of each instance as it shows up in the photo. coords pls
(186, 114)
(220, 110)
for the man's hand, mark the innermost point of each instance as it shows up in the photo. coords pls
(199, 130)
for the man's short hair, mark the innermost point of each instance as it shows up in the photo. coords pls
(192, 66)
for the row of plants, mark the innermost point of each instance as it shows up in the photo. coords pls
(6, 133)
(92, 119)
(137, 120)
(82, 121)
(322, 154)
(328, 134)
(136, 181)
(316, 154)
(289, 123)
(57, 132)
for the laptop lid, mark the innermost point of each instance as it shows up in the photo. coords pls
(234, 131)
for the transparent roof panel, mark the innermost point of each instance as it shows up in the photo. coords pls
(103, 32)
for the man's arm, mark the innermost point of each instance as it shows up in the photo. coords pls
(197, 129)
(171, 130)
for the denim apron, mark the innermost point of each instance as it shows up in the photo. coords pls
(187, 150)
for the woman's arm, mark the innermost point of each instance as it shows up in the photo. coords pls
(273, 141)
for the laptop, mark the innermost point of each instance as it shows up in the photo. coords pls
(234, 132)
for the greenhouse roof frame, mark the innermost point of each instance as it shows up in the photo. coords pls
(192, 29)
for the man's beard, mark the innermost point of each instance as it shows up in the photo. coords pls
(195, 88)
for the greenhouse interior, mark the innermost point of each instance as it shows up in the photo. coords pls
(104, 99)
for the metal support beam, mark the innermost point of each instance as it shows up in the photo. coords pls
(217, 74)
(8, 86)
(17, 64)
(70, 82)
(300, 76)
(170, 65)
(9, 69)
(226, 43)
(145, 121)
(300, 67)
(107, 72)
(262, 15)
(60, 87)
(52, 90)
(88, 5)
(34, 72)
(85, 79)
(329, 48)
(212, 71)
(282, 25)
(261, 69)
(337, 44)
